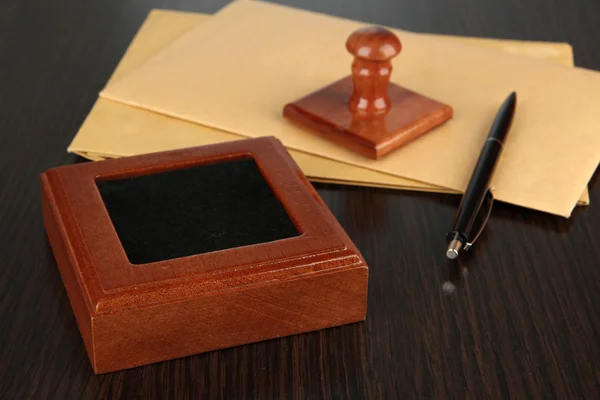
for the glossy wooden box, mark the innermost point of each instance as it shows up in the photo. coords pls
(131, 315)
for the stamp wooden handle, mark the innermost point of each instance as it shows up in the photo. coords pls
(372, 48)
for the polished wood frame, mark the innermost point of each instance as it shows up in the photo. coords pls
(131, 315)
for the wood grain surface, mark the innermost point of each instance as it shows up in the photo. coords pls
(522, 323)
(135, 314)
(326, 113)
(365, 112)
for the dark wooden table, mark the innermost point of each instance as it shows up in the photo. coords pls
(522, 322)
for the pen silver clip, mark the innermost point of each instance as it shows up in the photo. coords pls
(489, 198)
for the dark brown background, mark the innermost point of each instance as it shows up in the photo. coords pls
(523, 323)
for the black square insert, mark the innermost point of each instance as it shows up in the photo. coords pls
(194, 210)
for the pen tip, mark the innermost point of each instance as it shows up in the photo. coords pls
(451, 254)
(453, 249)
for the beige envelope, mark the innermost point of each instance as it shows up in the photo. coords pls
(236, 70)
(116, 130)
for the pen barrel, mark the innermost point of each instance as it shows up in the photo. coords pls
(470, 205)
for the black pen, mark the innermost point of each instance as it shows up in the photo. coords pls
(462, 235)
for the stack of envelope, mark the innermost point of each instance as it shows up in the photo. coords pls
(189, 79)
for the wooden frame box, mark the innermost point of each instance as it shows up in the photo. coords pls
(135, 314)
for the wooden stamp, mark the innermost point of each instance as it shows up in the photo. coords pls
(365, 112)
(171, 254)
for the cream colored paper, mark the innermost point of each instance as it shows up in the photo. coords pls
(115, 130)
(236, 71)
